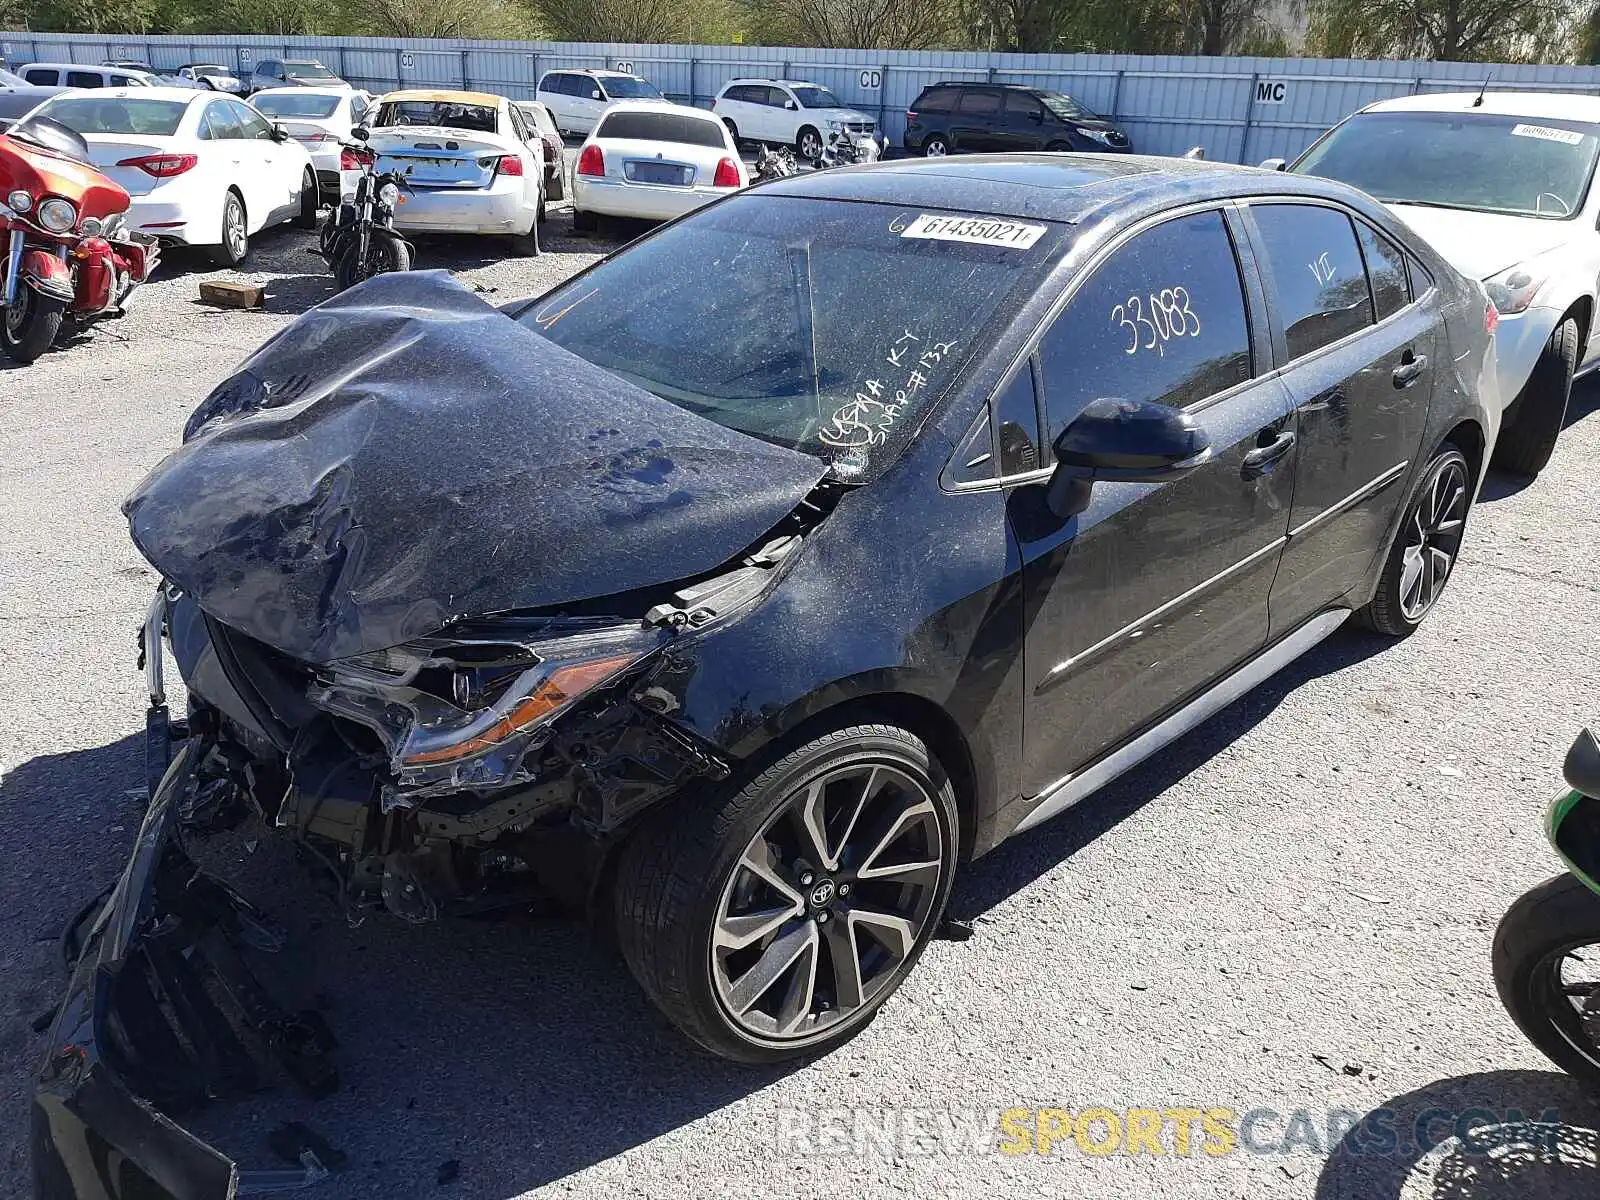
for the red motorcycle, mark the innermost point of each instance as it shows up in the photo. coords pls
(66, 250)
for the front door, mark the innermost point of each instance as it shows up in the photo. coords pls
(1361, 361)
(277, 184)
(1024, 125)
(1156, 590)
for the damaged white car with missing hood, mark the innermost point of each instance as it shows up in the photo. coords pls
(1501, 184)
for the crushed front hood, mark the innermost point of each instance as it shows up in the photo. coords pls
(404, 455)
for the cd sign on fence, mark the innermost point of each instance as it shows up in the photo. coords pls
(407, 61)
(1271, 91)
(871, 80)
(624, 66)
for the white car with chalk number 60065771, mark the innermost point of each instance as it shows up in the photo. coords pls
(1502, 185)
(652, 162)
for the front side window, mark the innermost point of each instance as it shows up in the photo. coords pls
(1476, 161)
(767, 314)
(1020, 104)
(1321, 283)
(626, 87)
(1163, 319)
(251, 123)
(219, 123)
(811, 96)
(1065, 107)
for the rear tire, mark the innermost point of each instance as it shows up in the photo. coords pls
(808, 144)
(584, 222)
(935, 147)
(235, 245)
(526, 245)
(1425, 547)
(733, 131)
(1533, 422)
(29, 328)
(887, 812)
(310, 199)
(1556, 918)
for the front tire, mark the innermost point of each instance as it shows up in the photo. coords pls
(935, 147)
(235, 245)
(30, 326)
(774, 920)
(1534, 420)
(1426, 546)
(386, 252)
(808, 144)
(1535, 940)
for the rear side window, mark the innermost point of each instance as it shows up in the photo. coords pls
(980, 104)
(85, 79)
(936, 99)
(42, 76)
(554, 83)
(662, 127)
(1314, 261)
(1163, 319)
(1386, 271)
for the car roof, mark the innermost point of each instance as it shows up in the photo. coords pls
(303, 62)
(182, 95)
(442, 96)
(1560, 105)
(645, 104)
(779, 82)
(83, 67)
(592, 71)
(332, 89)
(1079, 189)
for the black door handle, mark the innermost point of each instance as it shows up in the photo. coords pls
(1410, 369)
(1260, 460)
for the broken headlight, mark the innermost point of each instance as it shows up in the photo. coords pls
(463, 712)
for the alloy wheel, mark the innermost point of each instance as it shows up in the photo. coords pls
(1433, 537)
(1572, 983)
(935, 149)
(17, 314)
(233, 228)
(827, 904)
(810, 145)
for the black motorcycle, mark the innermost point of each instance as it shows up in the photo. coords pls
(358, 238)
(774, 164)
(844, 149)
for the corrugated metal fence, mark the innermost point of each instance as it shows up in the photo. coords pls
(1239, 109)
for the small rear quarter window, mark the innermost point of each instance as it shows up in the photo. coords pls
(936, 99)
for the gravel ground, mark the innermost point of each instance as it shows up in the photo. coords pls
(1289, 910)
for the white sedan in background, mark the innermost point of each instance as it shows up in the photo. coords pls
(651, 162)
(470, 162)
(203, 168)
(320, 119)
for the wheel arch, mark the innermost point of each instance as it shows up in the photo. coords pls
(1468, 435)
(1582, 309)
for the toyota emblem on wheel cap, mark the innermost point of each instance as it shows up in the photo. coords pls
(822, 893)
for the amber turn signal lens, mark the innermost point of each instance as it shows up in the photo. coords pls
(562, 685)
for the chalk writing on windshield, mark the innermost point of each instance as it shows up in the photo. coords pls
(867, 419)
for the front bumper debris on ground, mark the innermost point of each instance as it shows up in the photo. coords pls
(162, 1015)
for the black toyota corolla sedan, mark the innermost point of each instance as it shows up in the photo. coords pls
(766, 571)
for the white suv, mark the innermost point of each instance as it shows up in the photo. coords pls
(577, 98)
(1501, 185)
(789, 111)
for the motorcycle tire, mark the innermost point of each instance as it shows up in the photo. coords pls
(386, 252)
(30, 328)
(1537, 933)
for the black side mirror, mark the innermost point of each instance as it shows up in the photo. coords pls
(359, 132)
(1036, 116)
(280, 134)
(1123, 441)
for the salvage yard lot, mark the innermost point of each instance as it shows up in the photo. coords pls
(1289, 910)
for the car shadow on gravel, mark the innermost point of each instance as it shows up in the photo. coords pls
(1500, 1135)
(1017, 863)
(504, 1054)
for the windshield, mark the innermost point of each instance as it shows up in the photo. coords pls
(1476, 161)
(816, 97)
(296, 104)
(662, 126)
(209, 69)
(1065, 107)
(477, 118)
(820, 325)
(293, 70)
(95, 114)
(7, 79)
(626, 87)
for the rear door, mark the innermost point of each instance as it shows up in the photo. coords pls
(1359, 359)
(1157, 590)
(974, 124)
